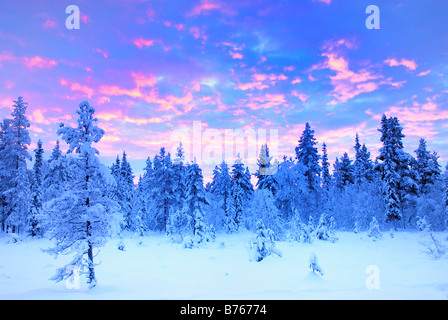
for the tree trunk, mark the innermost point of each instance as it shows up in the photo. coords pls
(91, 276)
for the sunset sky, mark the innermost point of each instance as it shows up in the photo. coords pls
(152, 67)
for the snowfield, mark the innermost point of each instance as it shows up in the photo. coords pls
(160, 269)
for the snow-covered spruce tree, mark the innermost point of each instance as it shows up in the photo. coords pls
(292, 194)
(362, 166)
(301, 231)
(58, 176)
(241, 192)
(266, 171)
(374, 230)
(162, 194)
(326, 176)
(143, 200)
(262, 207)
(427, 167)
(36, 192)
(396, 175)
(15, 140)
(263, 245)
(179, 173)
(325, 229)
(126, 191)
(307, 155)
(445, 197)
(343, 172)
(196, 202)
(220, 188)
(82, 218)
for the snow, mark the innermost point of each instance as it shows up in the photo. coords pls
(160, 269)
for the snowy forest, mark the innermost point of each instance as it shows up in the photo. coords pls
(69, 196)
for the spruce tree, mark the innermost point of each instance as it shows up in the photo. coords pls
(126, 191)
(162, 194)
(326, 176)
(445, 197)
(36, 191)
(307, 155)
(14, 173)
(343, 171)
(266, 171)
(362, 166)
(241, 192)
(220, 188)
(393, 162)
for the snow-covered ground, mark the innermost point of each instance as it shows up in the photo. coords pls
(355, 267)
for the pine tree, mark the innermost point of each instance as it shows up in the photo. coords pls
(221, 189)
(143, 201)
(263, 245)
(58, 177)
(241, 192)
(394, 168)
(195, 206)
(266, 171)
(116, 169)
(162, 193)
(179, 173)
(326, 176)
(343, 171)
(424, 172)
(82, 217)
(307, 155)
(126, 191)
(427, 167)
(36, 191)
(374, 230)
(445, 197)
(362, 166)
(263, 208)
(14, 154)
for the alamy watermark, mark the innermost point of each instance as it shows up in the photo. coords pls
(212, 146)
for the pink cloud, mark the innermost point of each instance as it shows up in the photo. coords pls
(336, 135)
(109, 116)
(347, 83)
(302, 96)
(410, 64)
(179, 26)
(296, 80)
(141, 43)
(236, 55)
(266, 102)
(118, 91)
(209, 5)
(198, 33)
(38, 62)
(6, 56)
(85, 18)
(323, 1)
(49, 23)
(261, 81)
(104, 53)
(424, 73)
(143, 81)
(74, 86)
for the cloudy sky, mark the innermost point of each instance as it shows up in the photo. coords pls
(151, 68)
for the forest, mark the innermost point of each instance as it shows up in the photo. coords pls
(72, 198)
